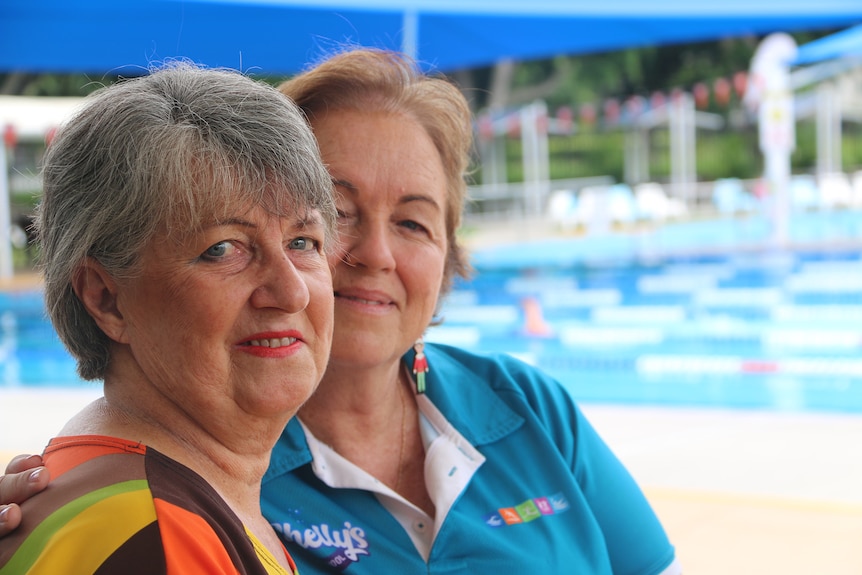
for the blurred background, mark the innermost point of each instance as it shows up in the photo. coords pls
(665, 215)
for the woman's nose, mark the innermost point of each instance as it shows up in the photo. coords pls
(282, 286)
(369, 246)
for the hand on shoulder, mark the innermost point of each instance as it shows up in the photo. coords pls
(25, 476)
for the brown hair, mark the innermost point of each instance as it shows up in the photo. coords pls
(363, 79)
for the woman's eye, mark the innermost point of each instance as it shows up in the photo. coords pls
(343, 217)
(303, 244)
(411, 225)
(218, 250)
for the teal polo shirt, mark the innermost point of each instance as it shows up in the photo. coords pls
(550, 497)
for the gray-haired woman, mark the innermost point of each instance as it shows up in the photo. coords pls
(182, 232)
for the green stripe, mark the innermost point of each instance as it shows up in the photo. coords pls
(35, 543)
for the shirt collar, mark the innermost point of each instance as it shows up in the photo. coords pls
(455, 387)
(290, 451)
(464, 396)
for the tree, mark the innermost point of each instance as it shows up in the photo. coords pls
(568, 79)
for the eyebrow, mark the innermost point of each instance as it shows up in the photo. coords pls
(403, 200)
(310, 219)
(419, 198)
(232, 221)
(343, 184)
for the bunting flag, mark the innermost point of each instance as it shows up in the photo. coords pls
(721, 92)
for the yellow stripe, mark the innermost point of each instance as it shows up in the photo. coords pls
(267, 559)
(85, 531)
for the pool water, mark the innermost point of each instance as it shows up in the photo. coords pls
(774, 330)
(30, 351)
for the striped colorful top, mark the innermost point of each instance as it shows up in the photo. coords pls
(116, 506)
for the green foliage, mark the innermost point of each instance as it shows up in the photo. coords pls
(639, 71)
(585, 156)
(804, 156)
(728, 154)
(21, 84)
(722, 154)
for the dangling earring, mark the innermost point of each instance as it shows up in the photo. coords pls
(420, 365)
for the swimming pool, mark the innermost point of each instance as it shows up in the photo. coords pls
(764, 329)
(30, 351)
(744, 328)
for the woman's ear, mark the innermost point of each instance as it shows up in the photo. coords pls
(97, 291)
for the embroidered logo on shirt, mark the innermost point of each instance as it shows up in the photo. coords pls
(529, 510)
(349, 542)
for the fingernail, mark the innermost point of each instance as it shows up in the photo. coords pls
(3, 513)
(34, 475)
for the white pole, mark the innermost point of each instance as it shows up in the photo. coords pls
(543, 157)
(6, 268)
(534, 147)
(528, 157)
(676, 127)
(690, 127)
(828, 130)
(410, 34)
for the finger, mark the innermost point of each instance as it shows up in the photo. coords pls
(23, 462)
(10, 518)
(18, 487)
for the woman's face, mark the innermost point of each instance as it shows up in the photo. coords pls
(391, 197)
(236, 317)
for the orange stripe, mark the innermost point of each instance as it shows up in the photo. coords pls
(190, 543)
(60, 460)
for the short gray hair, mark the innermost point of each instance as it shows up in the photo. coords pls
(170, 150)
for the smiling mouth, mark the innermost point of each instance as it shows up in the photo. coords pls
(361, 300)
(271, 342)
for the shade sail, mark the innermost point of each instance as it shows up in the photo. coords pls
(844, 44)
(282, 36)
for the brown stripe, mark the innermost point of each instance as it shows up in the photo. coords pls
(141, 554)
(180, 486)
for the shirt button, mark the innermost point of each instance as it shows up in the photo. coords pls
(419, 526)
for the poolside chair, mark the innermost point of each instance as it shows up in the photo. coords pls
(622, 208)
(591, 208)
(562, 209)
(653, 204)
(835, 190)
(856, 199)
(803, 193)
(730, 197)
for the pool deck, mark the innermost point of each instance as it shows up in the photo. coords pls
(747, 491)
(20, 281)
(739, 492)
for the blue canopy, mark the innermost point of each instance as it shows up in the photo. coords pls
(844, 44)
(282, 36)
